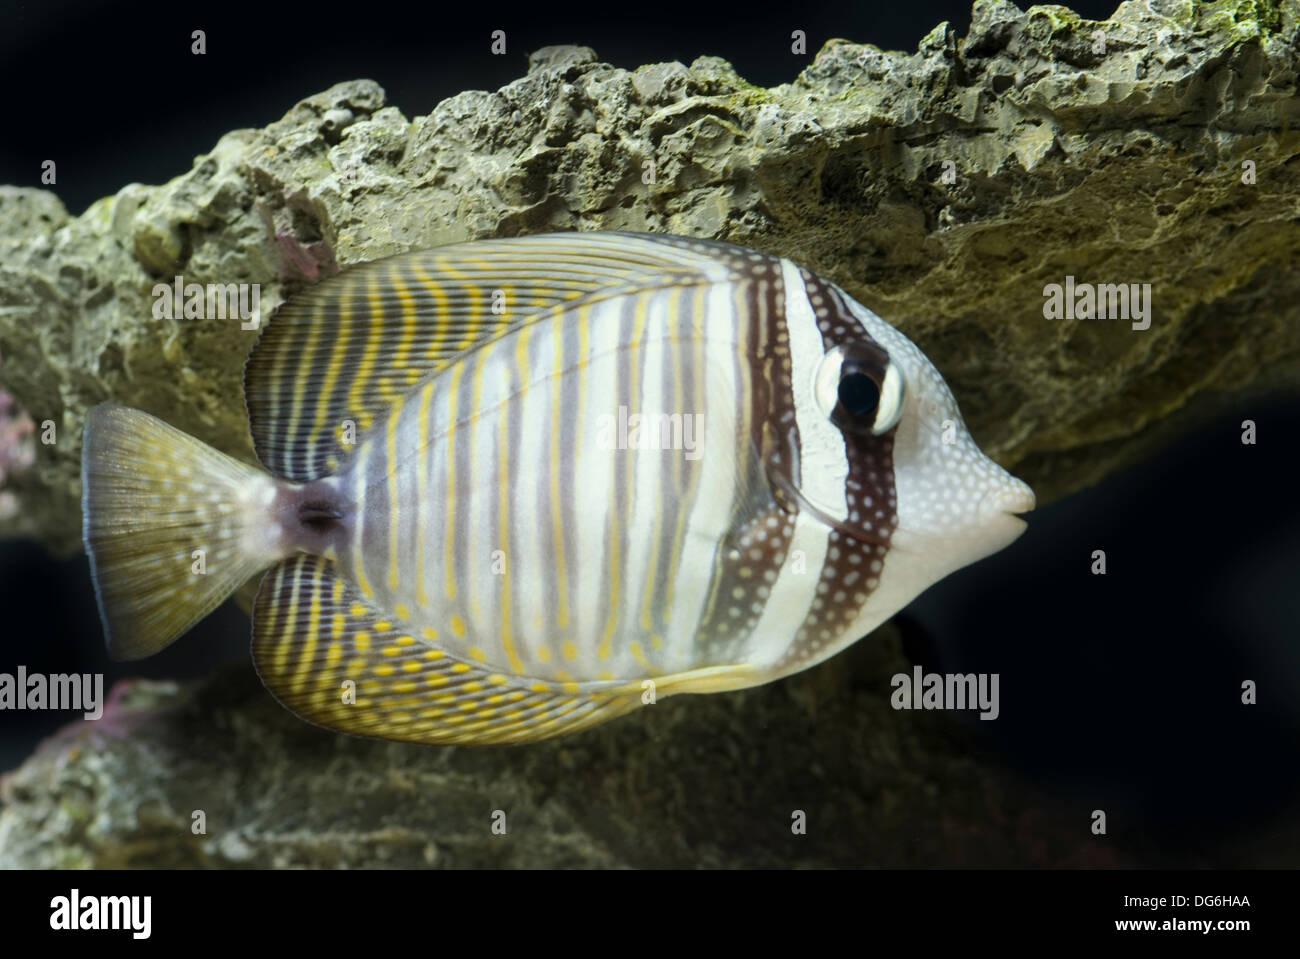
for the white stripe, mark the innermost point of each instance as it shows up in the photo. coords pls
(434, 512)
(823, 462)
(532, 577)
(477, 580)
(653, 467)
(792, 595)
(593, 479)
(710, 515)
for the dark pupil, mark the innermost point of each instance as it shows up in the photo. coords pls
(859, 394)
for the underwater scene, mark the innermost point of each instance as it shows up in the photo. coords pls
(809, 437)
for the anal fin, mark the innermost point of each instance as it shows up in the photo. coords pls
(334, 659)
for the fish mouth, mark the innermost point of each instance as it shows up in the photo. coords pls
(1002, 512)
(1011, 500)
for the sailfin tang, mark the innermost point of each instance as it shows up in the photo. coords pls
(334, 659)
(171, 525)
(343, 351)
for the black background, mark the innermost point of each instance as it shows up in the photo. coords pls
(1119, 692)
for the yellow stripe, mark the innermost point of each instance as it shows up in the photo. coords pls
(400, 361)
(342, 336)
(394, 415)
(286, 640)
(638, 331)
(474, 313)
(307, 658)
(453, 393)
(268, 630)
(639, 655)
(421, 492)
(358, 554)
(362, 379)
(300, 384)
(475, 405)
(441, 311)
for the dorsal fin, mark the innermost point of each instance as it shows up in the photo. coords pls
(347, 348)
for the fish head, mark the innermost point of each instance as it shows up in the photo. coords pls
(884, 457)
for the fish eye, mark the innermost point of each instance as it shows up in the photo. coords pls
(860, 389)
(859, 394)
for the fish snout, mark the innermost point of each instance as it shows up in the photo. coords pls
(1011, 496)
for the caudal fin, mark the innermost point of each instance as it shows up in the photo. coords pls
(172, 527)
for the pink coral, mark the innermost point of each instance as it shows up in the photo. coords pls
(17, 448)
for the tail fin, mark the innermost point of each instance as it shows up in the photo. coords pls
(171, 525)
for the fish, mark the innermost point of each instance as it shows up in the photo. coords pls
(513, 488)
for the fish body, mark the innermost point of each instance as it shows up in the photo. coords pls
(517, 487)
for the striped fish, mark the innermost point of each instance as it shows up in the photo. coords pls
(517, 487)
